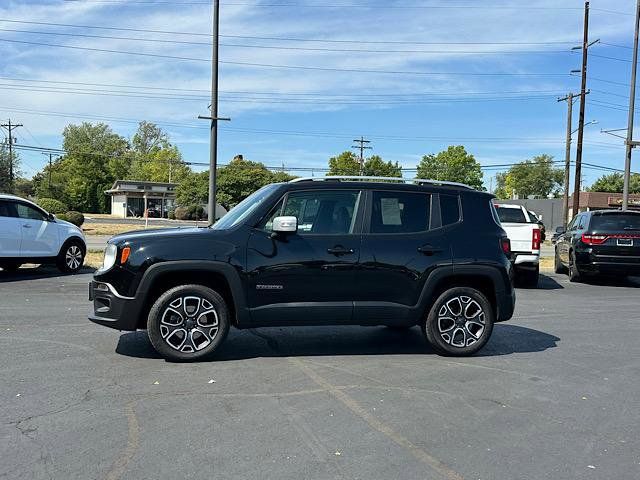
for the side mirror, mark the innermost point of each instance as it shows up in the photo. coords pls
(51, 217)
(560, 230)
(285, 225)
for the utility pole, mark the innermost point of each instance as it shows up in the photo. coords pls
(362, 146)
(583, 94)
(632, 105)
(10, 127)
(213, 135)
(567, 158)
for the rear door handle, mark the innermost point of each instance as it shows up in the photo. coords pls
(340, 250)
(429, 250)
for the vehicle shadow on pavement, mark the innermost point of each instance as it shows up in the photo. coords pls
(41, 271)
(626, 282)
(329, 341)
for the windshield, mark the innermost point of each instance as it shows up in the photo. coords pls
(616, 222)
(244, 208)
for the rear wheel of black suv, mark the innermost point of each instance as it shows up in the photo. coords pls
(188, 323)
(459, 322)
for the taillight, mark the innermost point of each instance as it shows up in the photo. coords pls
(535, 240)
(505, 243)
(594, 239)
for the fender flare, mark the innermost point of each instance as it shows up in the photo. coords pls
(227, 270)
(441, 274)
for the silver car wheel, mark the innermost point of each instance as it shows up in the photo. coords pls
(189, 324)
(73, 257)
(461, 321)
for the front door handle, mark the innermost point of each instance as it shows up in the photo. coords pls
(26, 225)
(339, 250)
(429, 250)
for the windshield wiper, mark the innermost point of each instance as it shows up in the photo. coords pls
(631, 228)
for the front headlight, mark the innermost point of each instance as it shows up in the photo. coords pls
(109, 257)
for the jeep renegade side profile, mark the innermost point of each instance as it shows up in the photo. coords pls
(320, 251)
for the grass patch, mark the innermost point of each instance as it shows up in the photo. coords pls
(114, 228)
(546, 263)
(93, 259)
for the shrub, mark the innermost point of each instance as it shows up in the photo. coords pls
(52, 205)
(73, 217)
(172, 214)
(181, 213)
(196, 212)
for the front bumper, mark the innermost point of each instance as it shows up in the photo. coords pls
(111, 309)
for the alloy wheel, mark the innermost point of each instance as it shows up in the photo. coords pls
(189, 324)
(461, 321)
(73, 257)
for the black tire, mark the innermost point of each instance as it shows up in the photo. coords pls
(177, 333)
(574, 273)
(558, 267)
(445, 308)
(10, 266)
(71, 256)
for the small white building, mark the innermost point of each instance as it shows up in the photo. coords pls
(130, 198)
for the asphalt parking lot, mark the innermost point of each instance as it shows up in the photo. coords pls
(554, 395)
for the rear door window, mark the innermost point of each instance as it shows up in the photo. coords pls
(449, 209)
(511, 215)
(618, 222)
(7, 209)
(400, 212)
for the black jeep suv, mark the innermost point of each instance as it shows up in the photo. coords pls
(325, 251)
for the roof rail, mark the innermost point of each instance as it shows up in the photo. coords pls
(417, 181)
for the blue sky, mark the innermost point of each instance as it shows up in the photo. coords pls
(481, 74)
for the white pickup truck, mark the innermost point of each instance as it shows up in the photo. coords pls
(525, 236)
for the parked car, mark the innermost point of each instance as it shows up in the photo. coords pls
(321, 251)
(525, 236)
(605, 242)
(28, 234)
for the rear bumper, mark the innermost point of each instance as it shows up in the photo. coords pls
(525, 259)
(590, 263)
(110, 309)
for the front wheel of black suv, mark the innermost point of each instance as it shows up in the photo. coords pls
(459, 322)
(188, 323)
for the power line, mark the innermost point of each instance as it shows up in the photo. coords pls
(288, 39)
(290, 48)
(290, 67)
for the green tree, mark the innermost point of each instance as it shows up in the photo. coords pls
(6, 185)
(536, 177)
(374, 166)
(154, 158)
(96, 156)
(236, 181)
(347, 163)
(453, 165)
(193, 189)
(239, 179)
(614, 183)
